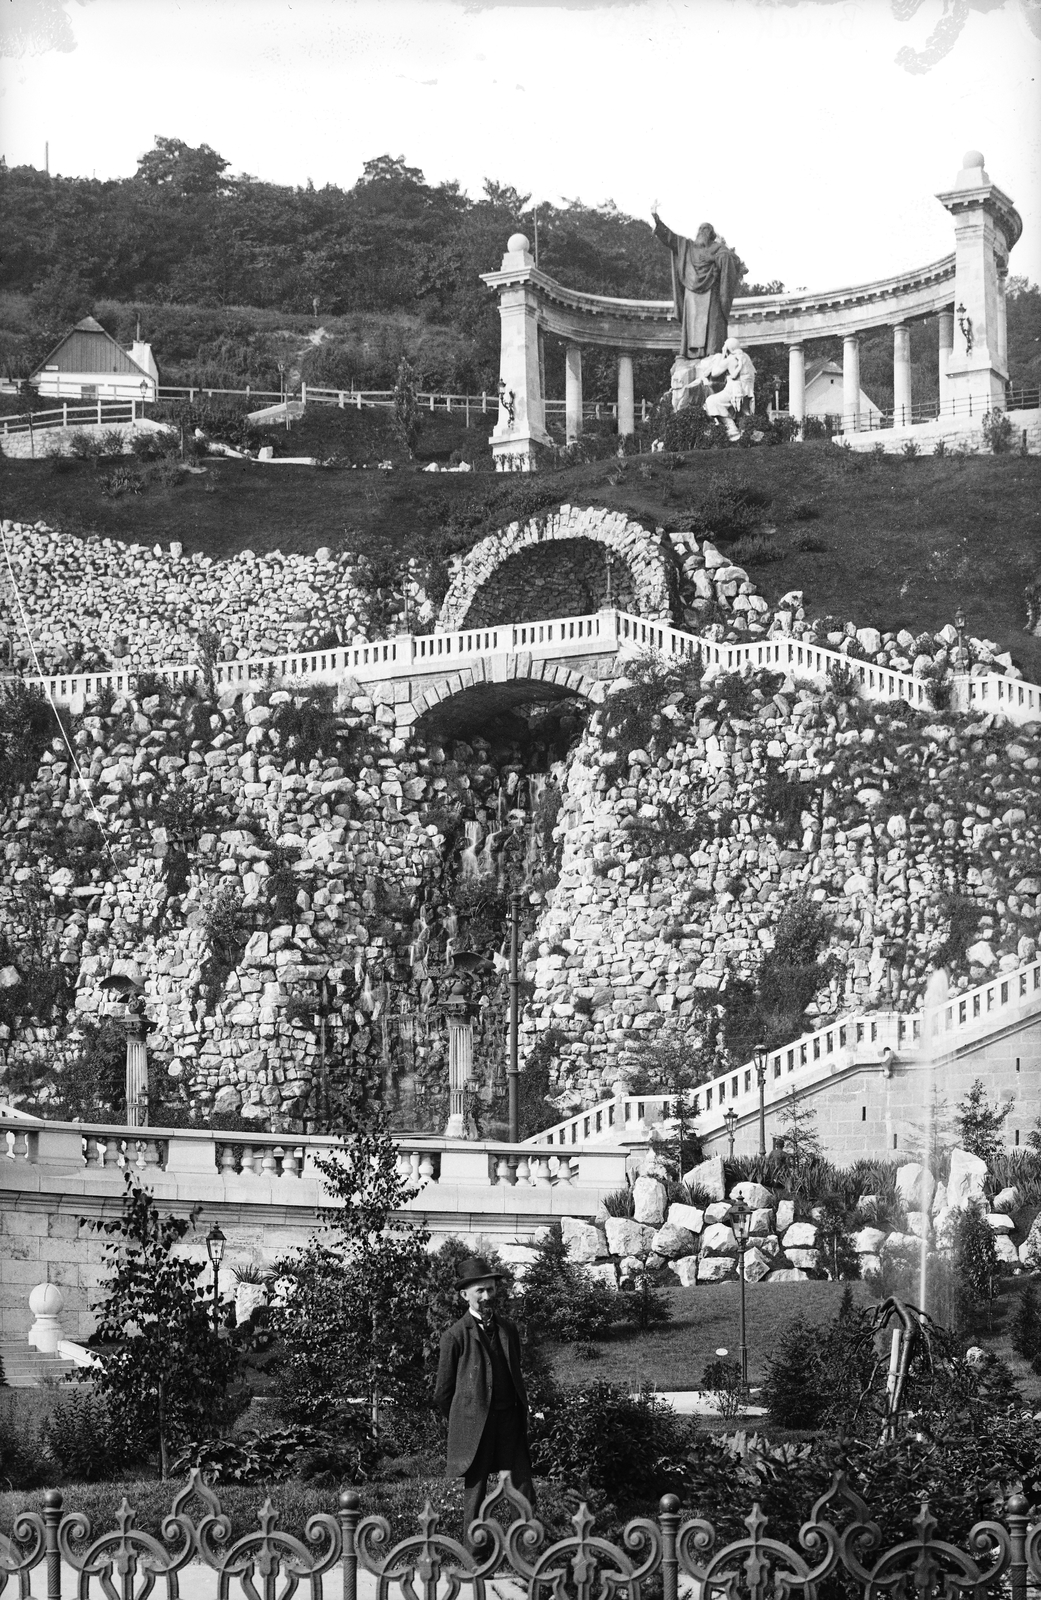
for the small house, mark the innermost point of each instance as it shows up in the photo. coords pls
(824, 394)
(88, 364)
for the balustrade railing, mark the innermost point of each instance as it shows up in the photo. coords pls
(857, 1038)
(839, 1549)
(242, 1162)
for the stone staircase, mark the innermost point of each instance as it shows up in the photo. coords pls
(25, 1367)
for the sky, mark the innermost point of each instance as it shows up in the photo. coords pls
(814, 134)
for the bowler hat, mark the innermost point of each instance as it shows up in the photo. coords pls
(474, 1269)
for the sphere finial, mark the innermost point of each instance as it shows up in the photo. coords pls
(518, 242)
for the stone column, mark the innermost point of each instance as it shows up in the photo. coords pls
(521, 422)
(572, 393)
(944, 353)
(136, 1073)
(986, 227)
(626, 413)
(460, 1060)
(901, 375)
(796, 382)
(851, 383)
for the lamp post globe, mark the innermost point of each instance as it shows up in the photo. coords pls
(215, 1242)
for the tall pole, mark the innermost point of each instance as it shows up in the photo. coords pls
(514, 1068)
(742, 1345)
(761, 1057)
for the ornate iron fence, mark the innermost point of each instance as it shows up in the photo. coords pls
(840, 1552)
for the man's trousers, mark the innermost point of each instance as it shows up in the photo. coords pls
(503, 1448)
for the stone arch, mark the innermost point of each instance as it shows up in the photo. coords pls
(501, 682)
(643, 554)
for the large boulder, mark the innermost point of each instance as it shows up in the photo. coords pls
(708, 1175)
(1000, 1221)
(894, 1243)
(755, 1265)
(1030, 1249)
(915, 1185)
(753, 1196)
(626, 1237)
(868, 1241)
(1009, 1200)
(760, 1221)
(967, 1177)
(788, 1275)
(785, 1215)
(719, 1211)
(718, 1240)
(1005, 1250)
(686, 1270)
(808, 1260)
(585, 1242)
(689, 1217)
(870, 1265)
(672, 1242)
(799, 1236)
(649, 1201)
(715, 1269)
(604, 1272)
(919, 1223)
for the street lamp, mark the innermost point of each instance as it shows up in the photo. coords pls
(740, 1229)
(959, 623)
(759, 1056)
(730, 1121)
(215, 1242)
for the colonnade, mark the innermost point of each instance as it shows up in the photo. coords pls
(965, 291)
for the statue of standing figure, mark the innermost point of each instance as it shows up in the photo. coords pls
(705, 276)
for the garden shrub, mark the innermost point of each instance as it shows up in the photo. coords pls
(618, 1443)
(77, 1437)
(300, 1453)
(559, 1300)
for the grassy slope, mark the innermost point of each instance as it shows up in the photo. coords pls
(706, 1319)
(906, 542)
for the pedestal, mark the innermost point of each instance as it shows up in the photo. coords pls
(460, 1065)
(521, 426)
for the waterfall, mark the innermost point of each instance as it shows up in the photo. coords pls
(468, 867)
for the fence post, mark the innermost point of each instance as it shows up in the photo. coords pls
(484, 403)
(303, 393)
(51, 1517)
(350, 1514)
(99, 413)
(431, 402)
(669, 1519)
(358, 398)
(468, 411)
(1016, 1516)
(340, 401)
(65, 413)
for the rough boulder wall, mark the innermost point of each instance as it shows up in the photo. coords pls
(234, 854)
(687, 831)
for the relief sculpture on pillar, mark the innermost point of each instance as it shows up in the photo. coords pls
(705, 276)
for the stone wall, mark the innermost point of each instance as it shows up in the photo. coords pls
(964, 435)
(674, 874)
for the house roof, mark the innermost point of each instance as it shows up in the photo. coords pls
(88, 348)
(817, 369)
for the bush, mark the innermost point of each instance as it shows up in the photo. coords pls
(997, 431)
(559, 1300)
(616, 1442)
(77, 1438)
(791, 1390)
(644, 1307)
(619, 1203)
(302, 1453)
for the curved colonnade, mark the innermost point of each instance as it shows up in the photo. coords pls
(965, 289)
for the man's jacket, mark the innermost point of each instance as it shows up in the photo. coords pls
(463, 1392)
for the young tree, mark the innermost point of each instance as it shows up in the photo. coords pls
(407, 419)
(355, 1323)
(979, 1123)
(975, 1262)
(1026, 1328)
(801, 1139)
(558, 1300)
(675, 1063)
(792, 1390)
(166, 1371)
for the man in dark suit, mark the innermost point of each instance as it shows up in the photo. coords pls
(480, 1389)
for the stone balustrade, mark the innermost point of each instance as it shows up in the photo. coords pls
(446, 1175)
(875, 1039)
(601, 633)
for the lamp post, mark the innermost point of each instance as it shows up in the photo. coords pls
(759, 1056)
(740, 1225)
(730, 1122)
(513, 1069)
(959, 623)
(215, 1242)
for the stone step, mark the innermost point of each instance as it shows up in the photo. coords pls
(25, 1367)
